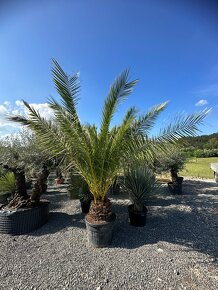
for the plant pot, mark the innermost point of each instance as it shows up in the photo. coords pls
(180, 180)
(24, 220)
(175, 187)
(85, 205)
(4, 197)
(59, 180)
(137, 219)
(114, 190)
(100, 235)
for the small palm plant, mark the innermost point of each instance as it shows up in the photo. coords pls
(7, 183)
(97, 154)
(140, 182)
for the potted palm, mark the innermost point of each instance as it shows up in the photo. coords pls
(140, 182)
(97, 154)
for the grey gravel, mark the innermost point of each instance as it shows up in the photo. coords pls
(177, 249)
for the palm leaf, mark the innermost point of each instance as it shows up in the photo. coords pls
(146, 122)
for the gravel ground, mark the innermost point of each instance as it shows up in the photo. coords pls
(177, 249)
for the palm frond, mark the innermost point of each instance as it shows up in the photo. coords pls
(121, 88)
(67, 87)
(185, 125)
(146, 122)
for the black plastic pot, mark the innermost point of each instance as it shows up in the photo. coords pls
(176, 186)
(137, 219)
(24, 220)
(100, 235)
(85, 205)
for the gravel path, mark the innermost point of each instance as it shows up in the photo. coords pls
(177, 249)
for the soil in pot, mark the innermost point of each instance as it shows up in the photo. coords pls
(137, 219)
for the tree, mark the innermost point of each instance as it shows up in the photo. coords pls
(212, 143)
(97, 154)
(171, 161)
(20, 154)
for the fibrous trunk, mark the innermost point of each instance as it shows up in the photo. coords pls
(100, 211)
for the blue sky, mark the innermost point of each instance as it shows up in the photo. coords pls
(170, 46)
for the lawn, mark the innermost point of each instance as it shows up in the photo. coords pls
(199, 167)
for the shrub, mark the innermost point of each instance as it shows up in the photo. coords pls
(203, 153)
(140, 182)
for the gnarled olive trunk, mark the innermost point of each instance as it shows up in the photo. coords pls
(174, 175)
(20, 184)
(40, 185)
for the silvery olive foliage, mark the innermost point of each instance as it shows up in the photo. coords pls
(22, 150)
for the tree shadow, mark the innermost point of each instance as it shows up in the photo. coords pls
(189, 219)
(57, 198)
(60, 221)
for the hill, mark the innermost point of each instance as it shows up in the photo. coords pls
(201, 142)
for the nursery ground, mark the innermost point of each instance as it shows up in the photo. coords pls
(177, 249)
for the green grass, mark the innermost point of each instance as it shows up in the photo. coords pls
(199, 167)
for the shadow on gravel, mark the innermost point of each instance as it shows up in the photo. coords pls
(190, 220)
(59, 221)
(56, 199)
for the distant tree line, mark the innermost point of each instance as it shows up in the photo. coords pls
(201, 146)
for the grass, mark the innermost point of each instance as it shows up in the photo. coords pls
(199, 167)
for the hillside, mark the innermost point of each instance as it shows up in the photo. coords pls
(201, 142)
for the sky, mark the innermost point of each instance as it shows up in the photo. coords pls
(170, 46)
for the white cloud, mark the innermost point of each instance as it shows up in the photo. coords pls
(201, 103)
(44, 110)
(6, 104)
(3, 110)
(17, 108)
(19, 103)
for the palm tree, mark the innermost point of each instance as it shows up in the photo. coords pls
(97, 154)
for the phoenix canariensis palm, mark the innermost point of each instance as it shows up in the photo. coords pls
(97, 154)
